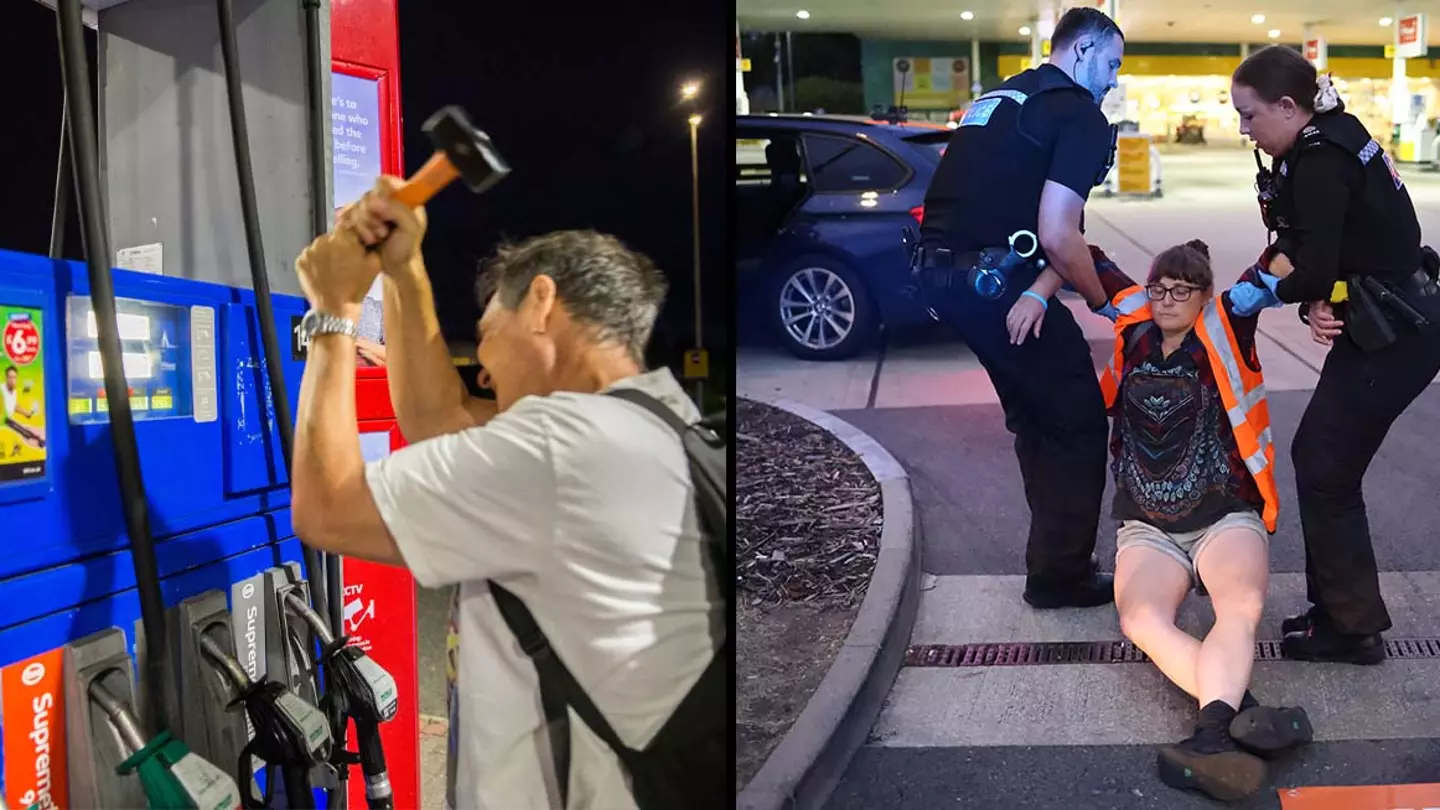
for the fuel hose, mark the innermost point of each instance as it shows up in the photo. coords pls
(85, 152)
(290, 735)
(361, 691)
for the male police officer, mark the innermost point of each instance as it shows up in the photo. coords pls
(1024, 159)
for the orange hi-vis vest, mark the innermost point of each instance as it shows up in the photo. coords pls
(1242, 390)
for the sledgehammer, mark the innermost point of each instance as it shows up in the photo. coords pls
(462, 152)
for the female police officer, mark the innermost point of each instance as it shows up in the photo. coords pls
(1341, 214)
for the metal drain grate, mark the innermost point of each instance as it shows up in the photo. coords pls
(1101, 652)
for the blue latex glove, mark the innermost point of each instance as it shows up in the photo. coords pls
(1248, 298)
(1108, 311)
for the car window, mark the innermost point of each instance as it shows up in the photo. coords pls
(847, 164)
(931, 144)
(751, 166)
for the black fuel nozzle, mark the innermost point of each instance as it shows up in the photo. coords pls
(290, 734)
(360, 690)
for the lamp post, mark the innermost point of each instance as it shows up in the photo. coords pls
(690, 92)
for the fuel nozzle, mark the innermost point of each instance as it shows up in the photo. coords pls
(172, 776)
(290, 734)
(361, 690)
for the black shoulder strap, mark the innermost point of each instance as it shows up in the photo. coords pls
(558, 689)
(681, 427)
(654, 406)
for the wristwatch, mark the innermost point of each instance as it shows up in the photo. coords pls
(316, 322)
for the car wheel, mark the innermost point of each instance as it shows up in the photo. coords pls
(820, 309)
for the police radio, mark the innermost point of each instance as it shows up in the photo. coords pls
(1266, 194)
(1110, 161)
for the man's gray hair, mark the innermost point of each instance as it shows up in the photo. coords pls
(614, 291)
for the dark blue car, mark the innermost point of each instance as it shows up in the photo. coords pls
(821, 208)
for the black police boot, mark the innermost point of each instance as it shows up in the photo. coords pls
(1209, 761)
(1322, 642)
(1301, 623)
(1092, 590)
(1268, 731)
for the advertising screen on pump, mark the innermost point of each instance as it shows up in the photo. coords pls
(32, 733)
(355, 134)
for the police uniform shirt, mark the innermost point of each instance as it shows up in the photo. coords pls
(1349, 219)
(989, 180)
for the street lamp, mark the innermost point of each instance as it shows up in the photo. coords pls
(690, 92)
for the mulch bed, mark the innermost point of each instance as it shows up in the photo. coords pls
(808, 512)
(808, 530)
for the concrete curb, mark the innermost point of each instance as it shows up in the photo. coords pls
(806, 766)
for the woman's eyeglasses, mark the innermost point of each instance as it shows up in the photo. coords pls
(1180, 293)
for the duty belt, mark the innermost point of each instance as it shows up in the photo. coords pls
(1376, 306)
(985, 272)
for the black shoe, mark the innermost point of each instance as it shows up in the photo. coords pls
(1094, 590)
(1270, 731)
(1320, 642)
(1211, 763)
(1301, 623)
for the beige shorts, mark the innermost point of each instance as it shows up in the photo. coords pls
(1184, 547)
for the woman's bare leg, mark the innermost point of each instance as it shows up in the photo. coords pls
(1149, 587)
(1235, 566)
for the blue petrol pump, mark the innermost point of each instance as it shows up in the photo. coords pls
(165, 639)
(161, 626)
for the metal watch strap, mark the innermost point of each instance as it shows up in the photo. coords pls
(323, 323)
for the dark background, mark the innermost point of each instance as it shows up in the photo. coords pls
(584, 104)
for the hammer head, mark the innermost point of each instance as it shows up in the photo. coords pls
(470, 151)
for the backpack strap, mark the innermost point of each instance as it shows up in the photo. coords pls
(653, 405)
(681, 427)
(558, 689)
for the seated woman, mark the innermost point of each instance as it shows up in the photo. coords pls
(1195, 491)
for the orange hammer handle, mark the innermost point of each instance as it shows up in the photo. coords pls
(437, 173)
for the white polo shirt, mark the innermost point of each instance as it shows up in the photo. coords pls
(582, 506)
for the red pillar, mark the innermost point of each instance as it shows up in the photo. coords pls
(379, 600)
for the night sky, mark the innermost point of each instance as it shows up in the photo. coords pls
(583, 103)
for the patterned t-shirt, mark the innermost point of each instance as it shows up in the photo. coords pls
(1176, 463)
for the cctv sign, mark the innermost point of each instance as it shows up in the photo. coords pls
(1410, 36)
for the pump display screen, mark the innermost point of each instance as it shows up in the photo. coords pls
(155, 345)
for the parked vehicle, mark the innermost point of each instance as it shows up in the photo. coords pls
(821, 208)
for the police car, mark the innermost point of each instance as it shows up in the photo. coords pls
(822, 205)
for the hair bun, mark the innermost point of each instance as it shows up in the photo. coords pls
(1200, 247)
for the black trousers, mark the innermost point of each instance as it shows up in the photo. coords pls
(1358, 397)
(1052, 401)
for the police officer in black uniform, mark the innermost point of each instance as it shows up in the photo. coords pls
(1341, 213)
(1008, 200)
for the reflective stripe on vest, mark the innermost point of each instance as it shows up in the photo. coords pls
(1129, 300)
(1242, 391)
(1133, 305)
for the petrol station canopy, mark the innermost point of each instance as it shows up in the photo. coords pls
(1210, 21)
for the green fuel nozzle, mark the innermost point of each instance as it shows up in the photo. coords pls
(172, 776)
